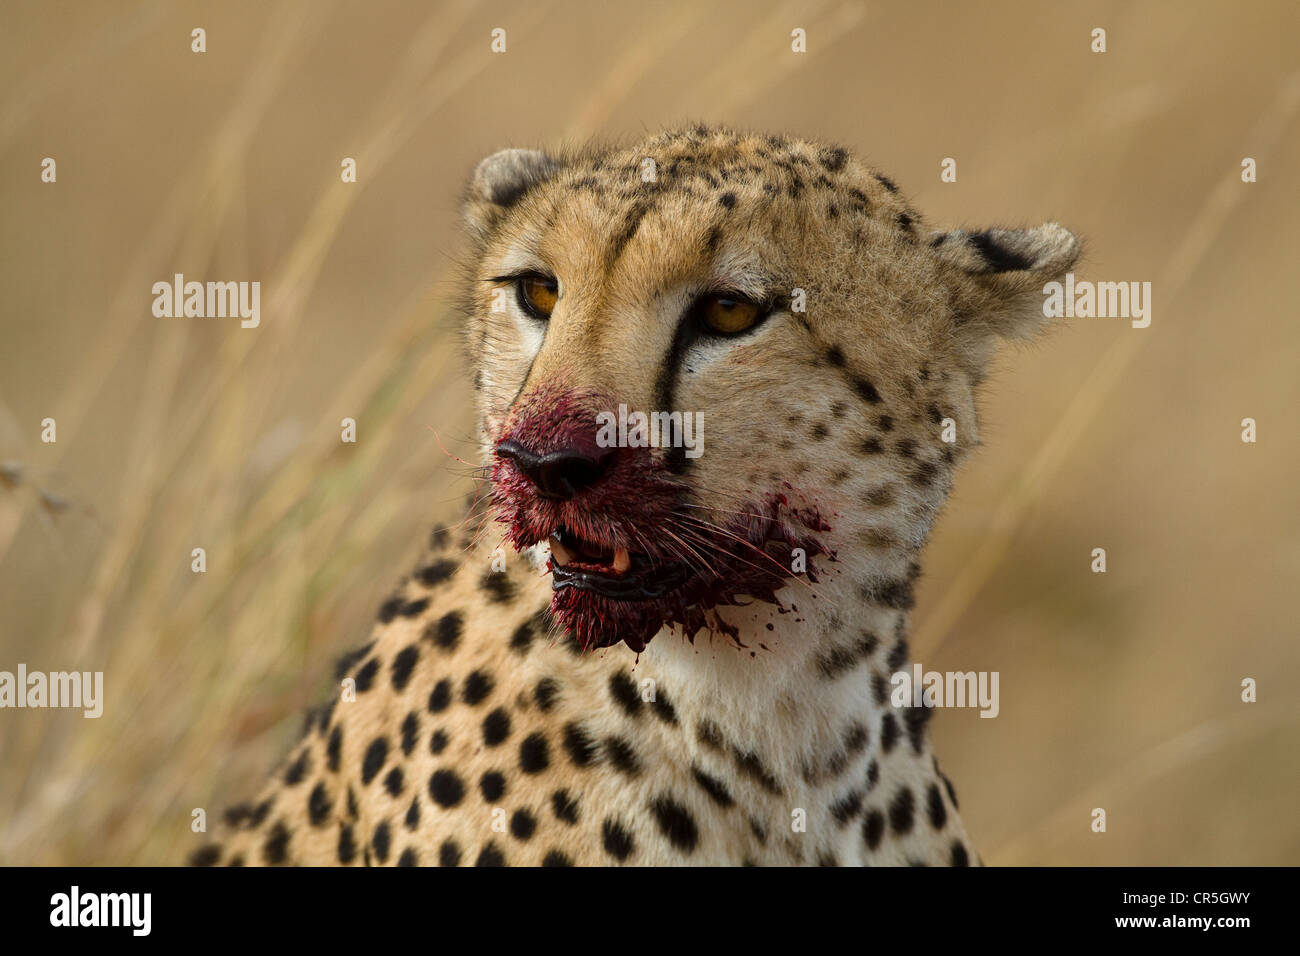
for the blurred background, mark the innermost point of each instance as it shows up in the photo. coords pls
(1118, 690)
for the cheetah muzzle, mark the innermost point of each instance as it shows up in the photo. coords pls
(629, 552)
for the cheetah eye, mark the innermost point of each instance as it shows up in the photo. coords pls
(725, 314)
(538, 295)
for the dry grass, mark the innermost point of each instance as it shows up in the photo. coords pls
(173, 434)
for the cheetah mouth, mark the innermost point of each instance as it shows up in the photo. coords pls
(615, 573)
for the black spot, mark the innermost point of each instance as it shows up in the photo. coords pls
(391, 608)
(751, 766)
(897, 655)
(499, 588)
(438, 742)
(490, 856)
(833, 158)
(298, 769)
(435, 573)
(675, 823)
(413, 608)
(565, 807)
(440, 696)
(959, 855)
(835, 355)
(439, 538)
(381, 841)
(534, 755)
(915, 720)
(924, 474)
(663, 708)
(352, 804)
(393, 782)
(522, 825)
(374, 759)
(618, 842)
(403, 664)
(410, 732)
(622, 756)
(347, 850)
(713, 239)
(714, 787)
(872, 446)
(408, 858)
(333, 748)
(477, 686)
(522, 638)
(820, 432)
(901, 811)
(866, 391)
(873, 775)
(496, 727)
(904, 222)
(206, 855)
(855, 739)
(545, 693)
(888, 733)
(366, 676)
(492, 785)
(582, 750)
(873, 828)
(885, 423)
(449, 853)
(997, 257)
(445, 632)
(947, 785)
(879, 688)
(624, 692)
(709, 734)
(413, 814)
(556, 858)
(886, 182)
(934, 806)
(446, 788)
(847, 807)
(896, 594)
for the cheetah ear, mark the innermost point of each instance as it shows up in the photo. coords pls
(1006, 270)
(502, 180)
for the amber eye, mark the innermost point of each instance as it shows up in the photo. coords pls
(538, 295)
(727, 314)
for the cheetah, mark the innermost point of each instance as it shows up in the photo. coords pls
(639, 656)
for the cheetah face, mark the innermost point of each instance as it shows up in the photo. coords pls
(713, 369)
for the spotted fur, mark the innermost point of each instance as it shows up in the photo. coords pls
(762, 732)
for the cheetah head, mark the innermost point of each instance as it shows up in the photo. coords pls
(803, 353)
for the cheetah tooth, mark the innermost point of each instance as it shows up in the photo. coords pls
(622, 560)
(559, 553)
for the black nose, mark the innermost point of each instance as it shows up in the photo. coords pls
(557, 474)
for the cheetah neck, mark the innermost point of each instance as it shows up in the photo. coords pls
(806, 698)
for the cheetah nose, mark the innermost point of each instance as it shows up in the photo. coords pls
(558, 474)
